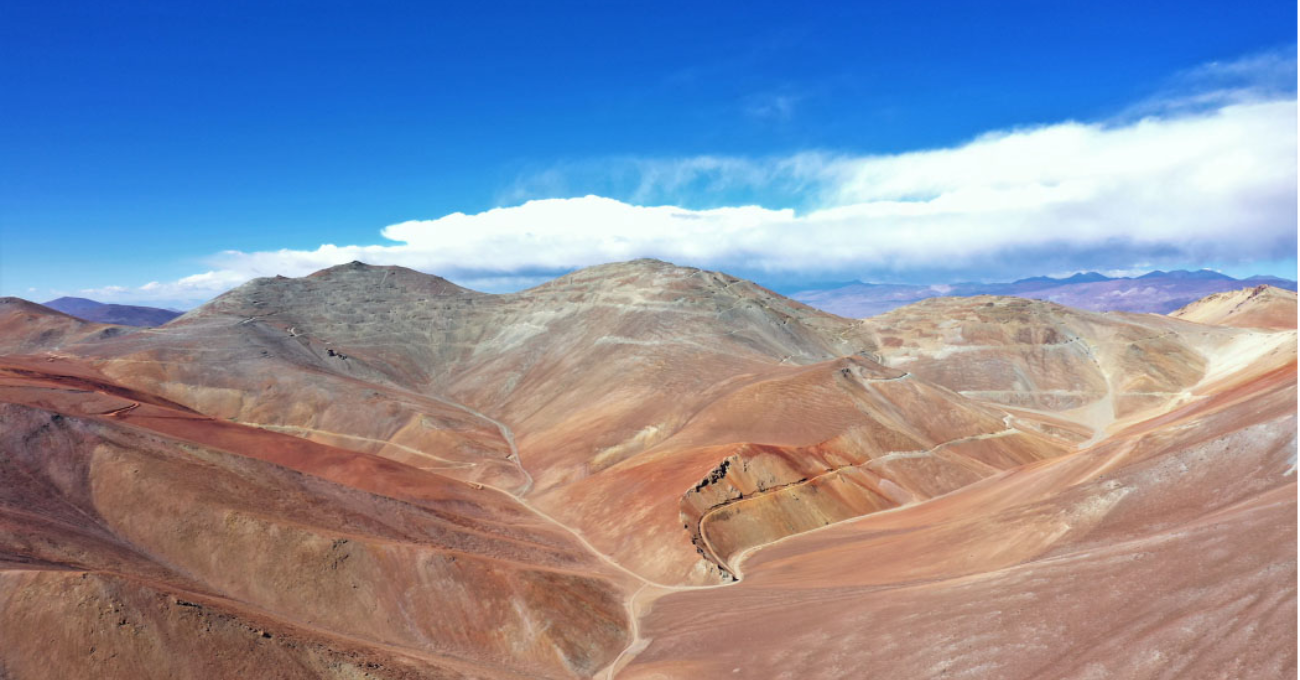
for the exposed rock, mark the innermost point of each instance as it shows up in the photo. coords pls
(374, 471)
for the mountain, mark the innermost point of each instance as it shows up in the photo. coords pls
(1157, 292)
(139, 538)
(1150, 540)
(1185, 275)
(576, 366)
(26, 327)
(1041, 355)
(1259, 307)
(632, 471)
(1085, 277)
(122, 315)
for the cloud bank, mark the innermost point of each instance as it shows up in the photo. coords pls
(1188, 184)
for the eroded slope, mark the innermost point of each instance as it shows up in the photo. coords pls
(1259, 307)
(267, 535)
(923, 494)
(637, 381)
(1168, 551)
(1040, 355)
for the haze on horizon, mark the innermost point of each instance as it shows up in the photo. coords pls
(215, 145)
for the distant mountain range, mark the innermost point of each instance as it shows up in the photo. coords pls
(124, 315)
(1159, 292)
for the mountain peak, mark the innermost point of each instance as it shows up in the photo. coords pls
(71, 299)
(354, 281)
(640, 273)
(1186, 275)
(1081, 277)
(364, 267)
(1086, 277)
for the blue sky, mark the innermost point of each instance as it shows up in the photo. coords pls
(160, 142)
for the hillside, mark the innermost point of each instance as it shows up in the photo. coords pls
(275, 554)
(1042, 355)
(1258, 307)
(26, 327)
(1158, 534)
(381, 465)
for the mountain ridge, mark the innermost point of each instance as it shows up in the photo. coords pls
(122, 315)
(375, 460)
(1156, 292)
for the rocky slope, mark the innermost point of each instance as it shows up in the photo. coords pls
(1166, 551)
(133, 528)
(562, 392)
(1259, 307)
(390, 474)
(1040, 355)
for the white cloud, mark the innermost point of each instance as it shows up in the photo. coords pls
(785, 180)
(1178, 187)
(1269, 74)
(1126, 273)
(107, 292)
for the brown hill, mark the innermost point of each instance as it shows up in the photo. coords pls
(1167, 551)
(640, 366)
(1258, 307)
(589, 465)
(1090, 367)
(136, 529)
(26, 327)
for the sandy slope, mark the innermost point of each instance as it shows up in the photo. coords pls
(393, 475)
(1259, 307)
(352, 558)
(1167, 551)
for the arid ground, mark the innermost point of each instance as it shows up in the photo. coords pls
(642, 471)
